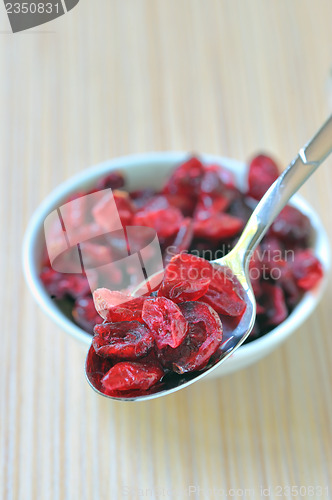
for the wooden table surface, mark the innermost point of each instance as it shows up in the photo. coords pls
(116, 77)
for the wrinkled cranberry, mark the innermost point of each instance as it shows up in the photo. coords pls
(291, 226)
(127, 376)
(166, 322)
(218, 227)
(207, 207)
(125, 340)
(166, 222)
(203, 339)
(307, 269)
(181, 291)
(273, 302)
(59, 285)
(187, 277)
(186, 178)
(263, 171)
(187, 267)
(224, 293)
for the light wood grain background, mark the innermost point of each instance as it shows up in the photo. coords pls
(115, 77)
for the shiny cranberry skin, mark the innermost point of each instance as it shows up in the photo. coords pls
(165, 321)
(128, 376)
(125, 340)
(202, 341)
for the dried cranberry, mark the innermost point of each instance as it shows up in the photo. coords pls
(166, 222)
(218, 182)
(263, 171)
(60, 284)
(165, 321)
(185, 266)
(202, 341)
(181, 291)
(307, 269)
(125, 340)
(208, 206)
(291, 226)
(186, 204)
(274, 303)
(218, 227)
(127, 376)
(186, 178)
(117, 306)
(224, 293)
(110, 207)
(125, 206)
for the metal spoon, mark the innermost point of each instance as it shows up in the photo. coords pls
(237, 260)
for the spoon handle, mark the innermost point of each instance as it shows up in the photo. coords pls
(301, 168)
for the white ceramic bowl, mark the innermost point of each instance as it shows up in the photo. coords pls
(149, 170)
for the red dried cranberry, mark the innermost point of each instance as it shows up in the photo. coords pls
(126, 376)
(287, 282)
(202, 341)
(186, 277)
(125, 340)
(307, 269)
(291, 226)
(186, 178)
(60, 284)
(117, 306)
(181, 291)
(165, 321)
(273, 301)
(217, 181)
(224, 293)
(218, 227)
(125, 207)
(104, 212)
(85, 314)
(165, 222)
(185, 266)
(263, 171)
(186, 204)
(208, 206)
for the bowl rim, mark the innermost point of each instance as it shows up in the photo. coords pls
(128, 162)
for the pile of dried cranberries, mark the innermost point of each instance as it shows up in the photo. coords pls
(199, 212)
(176, 329)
